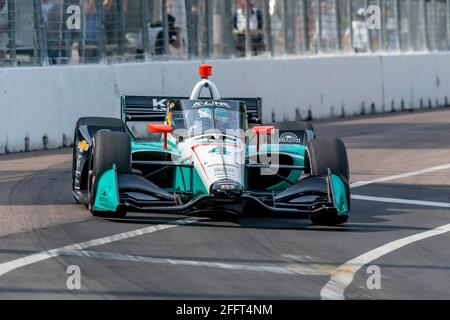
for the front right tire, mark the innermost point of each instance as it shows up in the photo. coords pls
(322, 155)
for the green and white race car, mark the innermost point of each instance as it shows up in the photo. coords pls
(209, 155)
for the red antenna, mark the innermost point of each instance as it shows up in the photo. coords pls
(205, 71)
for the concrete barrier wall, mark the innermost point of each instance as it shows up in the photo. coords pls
(39, 106)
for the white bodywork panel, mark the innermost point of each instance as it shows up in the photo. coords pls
(215, 159)
(214, 156)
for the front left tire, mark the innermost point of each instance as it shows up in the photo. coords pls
(92, 123)
(108, 148)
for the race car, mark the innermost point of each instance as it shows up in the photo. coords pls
(210, 154)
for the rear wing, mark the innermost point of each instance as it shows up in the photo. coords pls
(154, 109)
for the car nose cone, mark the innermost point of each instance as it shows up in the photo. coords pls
(224, 189)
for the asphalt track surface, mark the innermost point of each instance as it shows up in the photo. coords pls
(399, 224)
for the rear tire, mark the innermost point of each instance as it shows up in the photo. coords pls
(324, 154)
(109, 148)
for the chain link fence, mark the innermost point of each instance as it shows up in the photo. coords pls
(55, 32)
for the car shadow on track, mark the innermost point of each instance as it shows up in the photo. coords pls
(365, 216)
(273, 223)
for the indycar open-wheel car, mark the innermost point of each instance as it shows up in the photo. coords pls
(211, 154)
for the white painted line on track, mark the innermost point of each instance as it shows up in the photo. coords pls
(38, 257)
(344, 275)
(400, 176)
(402, 201)
(296, 268)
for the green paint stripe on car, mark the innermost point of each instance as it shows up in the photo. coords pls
(183, 181)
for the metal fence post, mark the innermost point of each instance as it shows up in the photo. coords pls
(398, 23)
(289, 29)
(165, 22)
(285, 28)
(337, 10)
(40, 34)
(209, 10)
(12, 31)
(143, 6)
(67, 34)
(305, 26)
(100, 26)
(268, 27)
(227, 21)
(319, 24)
(218, 26)
(60, 35)
(426, 27)
(190, 30)
(410, 25)
(350, 18)
(447, 16)
(370, 44)
(120, 29)
(81, 39)
(248, 40)
(434, 23)
(382, 6)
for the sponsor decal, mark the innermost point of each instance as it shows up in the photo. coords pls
(104, 194)
(159, 103)
(220, 150)
(83, 146)
(106, 191)
(202, 104)
(289, 137)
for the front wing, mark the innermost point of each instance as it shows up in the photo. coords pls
(310, 195)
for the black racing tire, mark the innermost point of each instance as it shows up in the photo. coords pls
(76, 140)
(109, 148)
(324, 154)
(111, 123)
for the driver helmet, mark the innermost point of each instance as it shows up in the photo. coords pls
(205, 113)
(222, 117)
